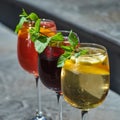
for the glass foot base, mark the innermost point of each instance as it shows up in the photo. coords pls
(40, 116)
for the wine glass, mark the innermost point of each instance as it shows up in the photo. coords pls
(48, 71)
(85, 79)
(28, 57)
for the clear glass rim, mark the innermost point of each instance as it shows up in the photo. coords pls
(66, 33)
(96, 45)
(47, 20)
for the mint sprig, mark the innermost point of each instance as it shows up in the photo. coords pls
(25, 17)
(41, 41)
(35, 31)
(73, 39)
(66, 55)
(81, 52)
(73, 42)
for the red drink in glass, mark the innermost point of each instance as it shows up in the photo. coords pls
(27, 55)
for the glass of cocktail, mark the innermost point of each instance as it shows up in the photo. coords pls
(85, 77)
(28, 56)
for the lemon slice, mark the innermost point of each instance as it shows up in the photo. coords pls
(95, 59)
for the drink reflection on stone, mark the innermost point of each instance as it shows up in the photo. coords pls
(27, 55)
(85, 79)
(50, 74)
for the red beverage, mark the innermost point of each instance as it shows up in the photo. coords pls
(49, 72)
(48, 27)
(27, 55)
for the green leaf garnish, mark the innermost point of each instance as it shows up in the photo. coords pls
(24, 17)
(63, 58)
(67, 48)
(57, 37)
(19, 26)
(73, 42)
(32, 16)
(23, 14)
(41, 41)
(37, 26)
(73, 39)
(41, 44)
(81, 52)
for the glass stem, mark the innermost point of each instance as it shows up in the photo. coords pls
(84, 114)
(39, 112)
(60, 105)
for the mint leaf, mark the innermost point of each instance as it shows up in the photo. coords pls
(67, 48)
(63, 58)
(33, 16)
(41, 41)
(19, 26)
(41, 44)
(24, 17)
(23, 14)
(33, 35)
(73, 39)
(35, 31)
(37, 26)
(57, 37)
(81, 52)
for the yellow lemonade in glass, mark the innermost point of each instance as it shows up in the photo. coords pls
(85, 79)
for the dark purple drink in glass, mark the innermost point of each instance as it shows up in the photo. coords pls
(49, 72)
